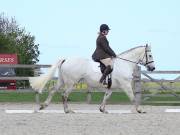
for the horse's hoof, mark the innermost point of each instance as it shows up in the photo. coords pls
(36, 111)
(103, 111)
(140, 111)
(42, 106)
(69, 111)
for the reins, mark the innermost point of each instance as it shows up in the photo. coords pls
(140, 61)
(127, 60)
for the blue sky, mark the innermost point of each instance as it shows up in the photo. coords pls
(66, 28)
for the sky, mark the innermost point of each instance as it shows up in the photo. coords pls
(68, 28)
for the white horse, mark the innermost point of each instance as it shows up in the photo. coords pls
(72, 70)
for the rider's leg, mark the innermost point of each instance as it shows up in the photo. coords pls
(102, 67)
(109, 66)
(107, 71)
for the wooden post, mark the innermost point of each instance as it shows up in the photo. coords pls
(88, 100)
(36, 73)
(137, 85)
(37, 98)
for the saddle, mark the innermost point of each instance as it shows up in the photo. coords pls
(108, 79)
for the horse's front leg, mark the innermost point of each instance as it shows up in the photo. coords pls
(137, 102)
(106, 97)
(127, 87)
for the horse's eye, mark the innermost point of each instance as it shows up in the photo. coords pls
(150, 56)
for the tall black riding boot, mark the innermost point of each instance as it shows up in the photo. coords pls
(107, 71)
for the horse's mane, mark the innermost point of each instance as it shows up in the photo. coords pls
(129, 50)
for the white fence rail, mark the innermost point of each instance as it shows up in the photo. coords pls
(137, 78)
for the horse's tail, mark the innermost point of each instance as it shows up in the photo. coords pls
(38, 83)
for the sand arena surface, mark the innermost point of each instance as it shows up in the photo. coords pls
(155, 122)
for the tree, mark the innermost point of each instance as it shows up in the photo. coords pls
(14, 39)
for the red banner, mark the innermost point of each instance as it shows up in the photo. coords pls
(8, 59)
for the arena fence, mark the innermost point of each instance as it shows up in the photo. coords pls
(139, 83)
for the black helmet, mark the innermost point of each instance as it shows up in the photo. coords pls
(104, 27)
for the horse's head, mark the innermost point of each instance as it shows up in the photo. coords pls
(139, 55)
(147, 59)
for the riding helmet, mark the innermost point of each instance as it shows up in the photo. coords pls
(104, 27)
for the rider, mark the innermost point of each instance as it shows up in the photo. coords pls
(103, 52)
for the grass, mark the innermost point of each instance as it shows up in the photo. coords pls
(97, 97)
(76, 97)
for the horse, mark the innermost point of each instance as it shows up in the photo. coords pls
(72, 70)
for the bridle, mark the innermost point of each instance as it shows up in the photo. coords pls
(146, 56)
(141, 60)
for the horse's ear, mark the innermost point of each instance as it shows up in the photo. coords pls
(148, 46)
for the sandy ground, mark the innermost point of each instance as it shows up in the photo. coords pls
(154, 122)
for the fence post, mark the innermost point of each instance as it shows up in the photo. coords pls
(37, 98)
(88, 100)
(137, 85)
(36, 73)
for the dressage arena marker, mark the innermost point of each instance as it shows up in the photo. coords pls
(62, 111)
(172, 110)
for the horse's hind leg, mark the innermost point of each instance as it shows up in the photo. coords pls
(48, 100)
(51, 94)
(106, 97)
(65, 95)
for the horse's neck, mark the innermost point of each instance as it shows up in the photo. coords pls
(133, 55)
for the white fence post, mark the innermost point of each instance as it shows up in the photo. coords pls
(89, 96)
(37, 97)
